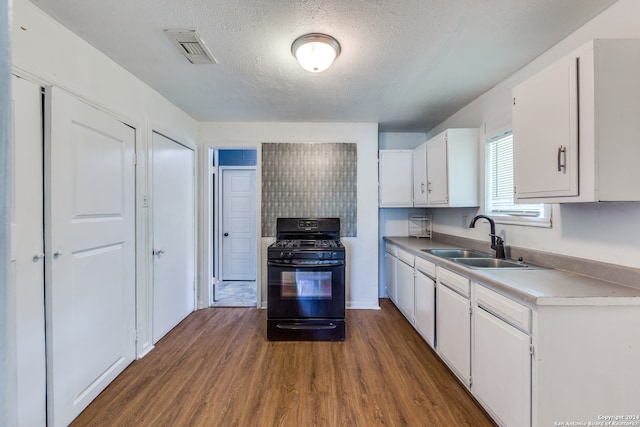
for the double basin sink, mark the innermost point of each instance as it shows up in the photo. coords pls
(476, 259)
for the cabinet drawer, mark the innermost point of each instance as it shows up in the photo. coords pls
(454, 281)
(406, 257)
(391, 249)
(426, 267)
(508, 310)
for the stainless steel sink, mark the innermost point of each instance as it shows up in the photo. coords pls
(457, 253)
(491, 263)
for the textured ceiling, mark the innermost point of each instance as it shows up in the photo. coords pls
(406, 64)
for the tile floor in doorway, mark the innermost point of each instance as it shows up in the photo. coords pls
(235, 294)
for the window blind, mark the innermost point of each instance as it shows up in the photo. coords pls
(500, 165)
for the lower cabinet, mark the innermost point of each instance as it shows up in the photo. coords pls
(425, 293)
(405, 289)
(501, 369)
(391, 266)
(454, 325)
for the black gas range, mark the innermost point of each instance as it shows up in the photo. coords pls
(306, 281)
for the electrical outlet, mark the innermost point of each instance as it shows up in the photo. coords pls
(465, 221)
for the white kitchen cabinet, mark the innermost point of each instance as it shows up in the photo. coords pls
(391, 266)
(405, 285)
(420, 176)
(531, 364)
(575, 127)
(449, 161)
(594, 349)
(453, 323)
(501, 359)
(395, 178)
(425, 294)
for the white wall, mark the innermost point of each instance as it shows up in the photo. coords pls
(362, 277)
(400, 140)
(607, 232)
(47, 53)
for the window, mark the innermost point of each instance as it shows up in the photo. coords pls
(500, 202)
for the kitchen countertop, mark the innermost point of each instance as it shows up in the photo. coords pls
(536, 286)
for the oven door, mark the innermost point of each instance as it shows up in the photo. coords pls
(306, 290)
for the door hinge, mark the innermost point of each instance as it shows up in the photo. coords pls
(514, 101)
(470, 381)
(135, 159)
(531, 349)
(470, 308)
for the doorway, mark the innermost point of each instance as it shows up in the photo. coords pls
(234, 228)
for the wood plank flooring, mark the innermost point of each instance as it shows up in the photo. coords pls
(217, 368)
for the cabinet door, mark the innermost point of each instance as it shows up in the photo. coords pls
(395, 178)
(405, 290)
(420, 175)
(391, 264)
(454, 332)
(502, 369)
(425, 293)
(545, 133)
(437, 182)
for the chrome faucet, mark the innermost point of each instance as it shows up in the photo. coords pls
(496, 241)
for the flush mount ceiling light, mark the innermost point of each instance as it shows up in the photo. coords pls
(315, 52)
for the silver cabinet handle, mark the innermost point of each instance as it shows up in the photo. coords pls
(422, 187)
(562, 153)
(37, 257)
(158, 251)
(428, 186)
(57, 254)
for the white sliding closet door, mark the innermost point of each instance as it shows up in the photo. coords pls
(173, 233)
(90, 252)
(27, 257)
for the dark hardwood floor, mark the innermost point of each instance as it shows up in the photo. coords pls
(217, 368)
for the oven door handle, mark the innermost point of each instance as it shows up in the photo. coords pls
(296, 265)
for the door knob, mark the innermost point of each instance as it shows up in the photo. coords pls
(57, 254)
(37, 257)
(158, 251)
(226, 234)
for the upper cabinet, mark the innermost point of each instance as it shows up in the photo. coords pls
(420, 175)
(575, 127)
(446, 170)
(395, 178)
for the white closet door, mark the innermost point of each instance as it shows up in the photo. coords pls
(90, 240)
(27, 246)
(238, 224)
(173, 233)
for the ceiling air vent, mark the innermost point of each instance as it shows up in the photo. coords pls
(191, 46)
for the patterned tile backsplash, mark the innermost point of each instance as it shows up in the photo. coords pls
(309, 180)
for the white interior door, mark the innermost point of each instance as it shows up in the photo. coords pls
(27, 252)
(173, 233)
(90, 252)
(238, 229)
